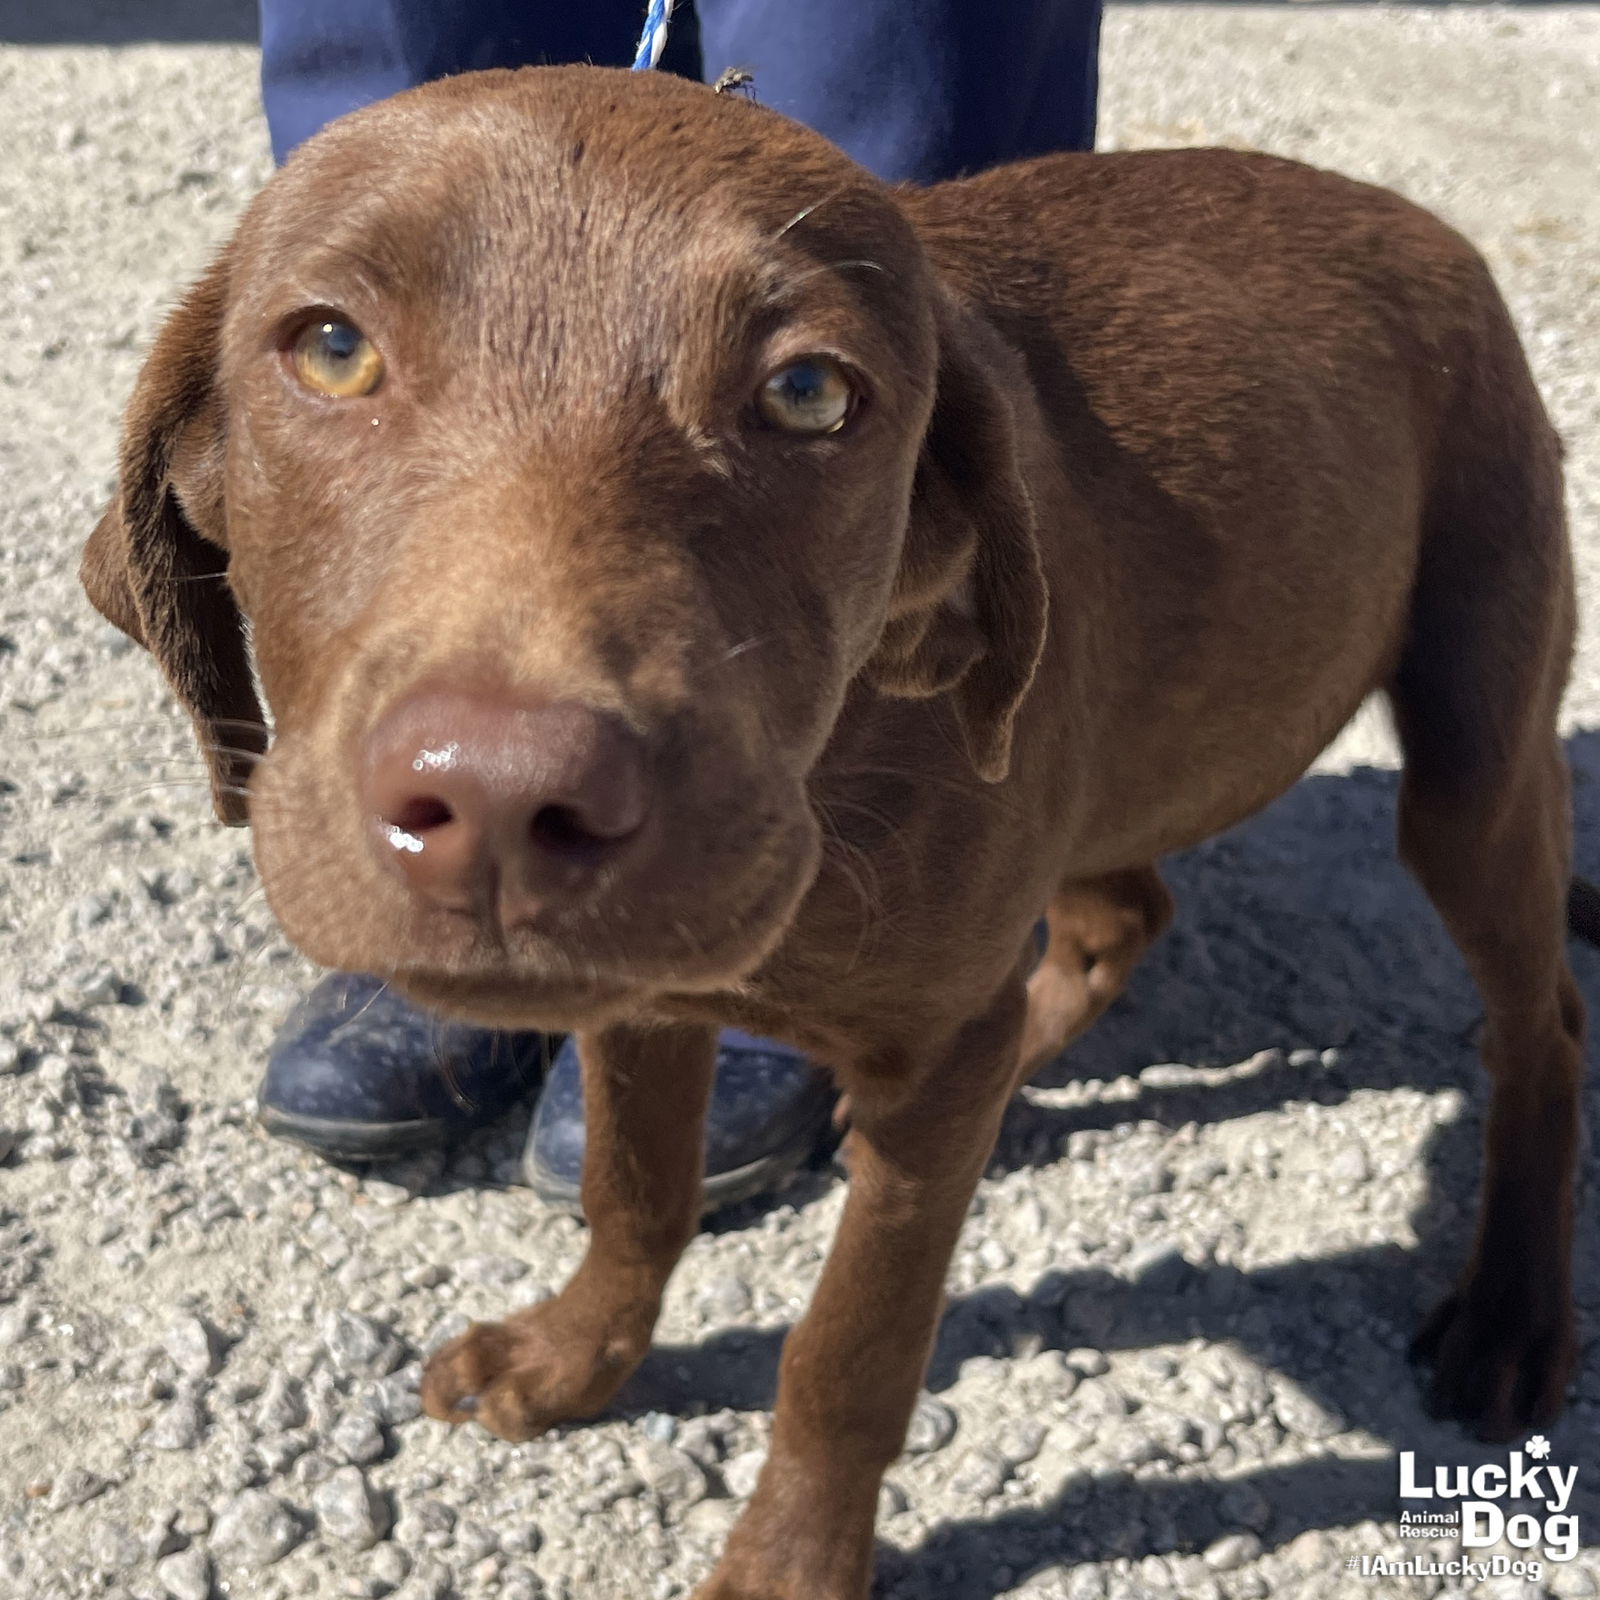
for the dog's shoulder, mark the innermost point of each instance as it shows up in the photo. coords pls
(1243, 241)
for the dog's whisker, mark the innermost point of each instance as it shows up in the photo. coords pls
(213, 748)
(982, 794)
(744, 647)
(442, 1062)
(366, 1005)
(173, 723)
(198, 781)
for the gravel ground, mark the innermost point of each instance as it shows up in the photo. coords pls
(1173, 1362)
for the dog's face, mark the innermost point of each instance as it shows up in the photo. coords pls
(572, 442)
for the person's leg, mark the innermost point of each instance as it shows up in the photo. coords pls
(913, 91)
(918, 91)
(322, 58)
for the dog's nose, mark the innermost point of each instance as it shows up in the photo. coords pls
(501, 809)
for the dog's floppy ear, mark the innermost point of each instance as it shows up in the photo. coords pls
(155, 566)
(969, 611)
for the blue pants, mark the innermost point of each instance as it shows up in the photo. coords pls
(913, 89)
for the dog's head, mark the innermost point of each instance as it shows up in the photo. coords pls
(562, 446)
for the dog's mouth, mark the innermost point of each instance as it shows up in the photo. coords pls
(589, 979)
(702, 921)
(512, 1001)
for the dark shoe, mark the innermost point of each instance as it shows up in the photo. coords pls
(358, 1072)
(770, 1109)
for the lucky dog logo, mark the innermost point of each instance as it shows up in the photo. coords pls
(1524, 1503)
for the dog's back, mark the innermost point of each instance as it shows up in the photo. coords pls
(1263, 391)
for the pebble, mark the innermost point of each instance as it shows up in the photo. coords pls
(1349, 1164)
(277, 1452)
(674, 1477)
(1088, 1363)
(1019, 1441)
(193, 1345)
(16, 1323)
(1159, 1267)
(349, 1510)
(254, 1530)
(472, 1543)
(424, 1522)
(358, 1346)
(313, 1468)
(389, 1564)
(1309, 1551)
(496, 1270)
(1232, 1551)
(660, 1426)
(282, 1405)
(160, 1537)
(186, 1575)
(75, 1487)
(979, 1475)
(396, 1399)
(178, 1426)
(523, 1583)
(429, 1580)
(357, 1437)
(92, 987)
(741, 1472)
(724, 1299)
(193, 1518)
(932, 1427)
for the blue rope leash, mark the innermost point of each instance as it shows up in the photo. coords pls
(654, 38)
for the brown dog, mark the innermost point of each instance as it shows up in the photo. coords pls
(694, 583)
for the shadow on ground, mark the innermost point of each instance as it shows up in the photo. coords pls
(1298, 929)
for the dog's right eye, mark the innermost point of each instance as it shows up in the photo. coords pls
(336, 358)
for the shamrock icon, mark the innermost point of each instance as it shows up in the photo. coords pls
(1538, 1447)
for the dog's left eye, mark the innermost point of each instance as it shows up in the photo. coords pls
(809, 396)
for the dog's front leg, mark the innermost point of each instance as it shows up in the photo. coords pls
(645, 1093)
(852, 1367)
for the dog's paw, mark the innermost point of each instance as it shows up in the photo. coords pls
(546, 1365)
(1501, 1362)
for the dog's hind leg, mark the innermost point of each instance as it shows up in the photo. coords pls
(1099, 928)
(1485, 824)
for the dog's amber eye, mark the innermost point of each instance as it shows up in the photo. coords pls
(335, 358)
(809, 396)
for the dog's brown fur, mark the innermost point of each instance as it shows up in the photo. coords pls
(1167, 460)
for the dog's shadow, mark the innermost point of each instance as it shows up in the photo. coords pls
(1298, 930)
